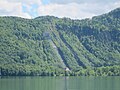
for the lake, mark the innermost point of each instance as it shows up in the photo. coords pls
(59, 83)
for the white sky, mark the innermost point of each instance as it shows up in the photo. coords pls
(75, 9)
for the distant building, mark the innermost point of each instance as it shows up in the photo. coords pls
(67, 69)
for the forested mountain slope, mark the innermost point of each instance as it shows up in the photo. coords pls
(47, 44)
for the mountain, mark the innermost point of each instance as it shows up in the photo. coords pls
(46, 45)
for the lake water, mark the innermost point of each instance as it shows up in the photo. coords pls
(59, 83)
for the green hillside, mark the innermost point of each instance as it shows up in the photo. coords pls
(47, 44)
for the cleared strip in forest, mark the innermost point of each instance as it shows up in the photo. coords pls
(80, 63)
(58, 54)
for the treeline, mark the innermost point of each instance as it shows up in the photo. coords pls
(26, 71)
(100, 71)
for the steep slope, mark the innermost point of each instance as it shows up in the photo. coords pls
(46, 45)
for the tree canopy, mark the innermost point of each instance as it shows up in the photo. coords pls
(47, 44)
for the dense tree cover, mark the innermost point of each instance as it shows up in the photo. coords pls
(46, 45)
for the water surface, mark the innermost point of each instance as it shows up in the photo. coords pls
(60, 83)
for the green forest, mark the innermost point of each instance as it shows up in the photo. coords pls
(46, 45)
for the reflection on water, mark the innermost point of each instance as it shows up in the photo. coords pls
(59, 83)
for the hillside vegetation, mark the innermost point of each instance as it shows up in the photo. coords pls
(46, 45)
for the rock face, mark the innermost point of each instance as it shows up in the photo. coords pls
(48, 43)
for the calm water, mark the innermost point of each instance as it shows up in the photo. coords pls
(59, 83)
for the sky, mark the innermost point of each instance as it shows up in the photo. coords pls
(75, 9)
